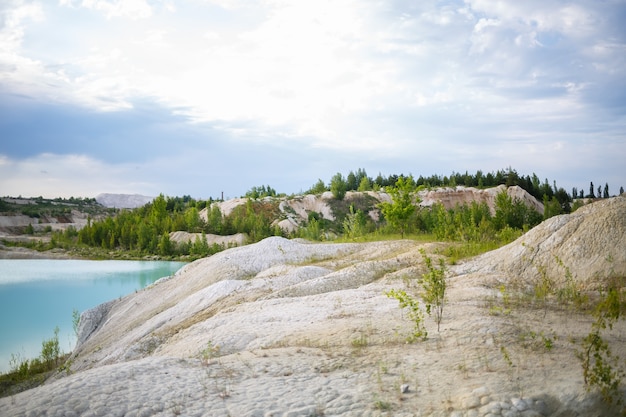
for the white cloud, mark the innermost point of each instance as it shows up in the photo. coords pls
(349, 76)
(132, 9)
(52, 175)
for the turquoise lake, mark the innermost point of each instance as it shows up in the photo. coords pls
(40, 294)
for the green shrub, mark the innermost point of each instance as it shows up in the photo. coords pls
(434, 284)
(601, 368)
(50, 350)
(415, 313)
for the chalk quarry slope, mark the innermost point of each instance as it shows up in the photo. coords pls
(295, 210)
(290, 328)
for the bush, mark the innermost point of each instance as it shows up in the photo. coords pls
(338, 186)
(415, 313)
(434, 283)
(600, 366)
(50, 350)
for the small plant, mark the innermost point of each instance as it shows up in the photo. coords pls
(67, 367)
(415, 313)
(600, 366)
(544, 288)
(75, 321)
(434, 283)
(382, 405)
(506, 356)
(537, 341)
(505, 307)
(570, 293)
(50, 350)
(360, 342)
(209, 353)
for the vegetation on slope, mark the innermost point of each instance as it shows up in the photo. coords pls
(145, 231)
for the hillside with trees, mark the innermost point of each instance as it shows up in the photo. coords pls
(362, 208)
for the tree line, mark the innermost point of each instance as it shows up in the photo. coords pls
(146, 230)
(541, 190)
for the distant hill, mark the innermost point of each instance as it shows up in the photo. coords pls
(123, 200)
(294, 211)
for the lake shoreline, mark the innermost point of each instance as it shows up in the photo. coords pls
(42, 294)
(20, 252)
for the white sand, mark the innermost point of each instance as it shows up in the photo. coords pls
(306, 330)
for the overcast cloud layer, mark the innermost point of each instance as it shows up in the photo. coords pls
(203, 96)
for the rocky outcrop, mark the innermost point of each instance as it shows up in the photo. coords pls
(123, 200)
(91, 320)
(450, 197)
(589, 245)
(15, 224)
(295, 210)
(226, 241)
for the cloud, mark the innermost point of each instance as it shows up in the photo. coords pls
(132, 9)
(394, 85)
(49, 175)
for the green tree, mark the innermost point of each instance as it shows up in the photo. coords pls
(159, 210)
(165, 246)
(318, 188)
(338, 186)
(193, 222)
(200, 246)
(354, 223)
(398, 213)
(514, 213)
(551, 207)
(434, 283)
(214, 220)
(313, 229)
(351, 182)
(365, 184)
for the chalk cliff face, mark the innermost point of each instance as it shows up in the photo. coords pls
(123, 200)
(587, 246)
(295, 210)
(451, 197)
(287, 327)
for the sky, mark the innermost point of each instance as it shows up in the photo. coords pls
(204, 97)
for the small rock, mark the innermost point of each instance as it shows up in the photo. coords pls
(519, 404)
(404, 388)
(481, 391)
(470, 402)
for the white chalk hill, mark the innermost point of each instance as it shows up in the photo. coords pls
(291, 328)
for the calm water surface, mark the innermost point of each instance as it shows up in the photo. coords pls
(36, 295)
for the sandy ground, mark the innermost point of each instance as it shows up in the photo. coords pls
(288, 328)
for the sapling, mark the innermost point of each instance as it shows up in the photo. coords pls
(75, 321)
(601, 367)
(415, 313)
(434, 284)
(50, 350)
